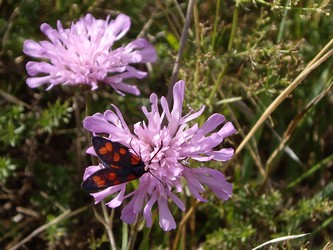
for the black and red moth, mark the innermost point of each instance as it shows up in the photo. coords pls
(120, 165)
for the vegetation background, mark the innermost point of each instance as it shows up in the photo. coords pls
(239, 56)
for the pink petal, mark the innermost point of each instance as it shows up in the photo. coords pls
(194, 115)
(176, 200)
(121, 86)
(97, 124)
(166, 219)
(34, 82)
(33, 48)
(120, 26)
(178, 98)
(193, 184)
(127, 214)
(90, 170)
(142, 51)
(34, 68)
(147, 209)
(224, 154)
(116, 202)
(101, 195)
(215, 180)
(212, 123)
(140, 198)
(227, 130)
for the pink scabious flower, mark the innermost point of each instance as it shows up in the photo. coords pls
(165, 143)
(83, 54)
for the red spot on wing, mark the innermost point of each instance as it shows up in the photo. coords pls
(106, 149)
(122, 151)
(115, 166)
(135, 159)
(112, 176)
(103, 151)
(98, 181)
(120, 165)
(108, 146)
(116, 157)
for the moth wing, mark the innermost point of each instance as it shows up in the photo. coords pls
(107, 177)
(114, 153)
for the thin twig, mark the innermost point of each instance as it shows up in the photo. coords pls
(10, 22)
(180, 50)
(57, 204)
(182, 223)
(67, 214)
(10, 98)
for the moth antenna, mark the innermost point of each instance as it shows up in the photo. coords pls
(165, 186)
(149, 162)
(134, 149)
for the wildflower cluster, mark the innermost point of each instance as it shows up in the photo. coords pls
(172, 145)
(83, 54)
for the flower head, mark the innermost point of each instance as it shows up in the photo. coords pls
(83, 54)
(165, 143)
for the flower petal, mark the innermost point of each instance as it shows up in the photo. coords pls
(34, 82)
(101, 195)
(166, 219)
(127, 214)
(116, 202)
(97, 124)
(176, 200)
(147, 209)
(120, 26)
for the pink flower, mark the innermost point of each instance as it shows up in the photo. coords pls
(83, 54)
(168, 137)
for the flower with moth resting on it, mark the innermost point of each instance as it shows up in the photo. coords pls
(83, 54)
(165, 144)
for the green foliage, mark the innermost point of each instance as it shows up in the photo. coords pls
(12, 124)
(239, 56)
(55, 232)
(231, 238)
(249, 215)
(54, 115)
(7, 168)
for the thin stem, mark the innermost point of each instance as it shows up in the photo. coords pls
(325, 162)
(108, 225)
(124, 236)
(283, 22)
(231, 41)
(180, 50)
(182, 223)
(78, 124)
(197, 43)
(234, 26)
(134, 232)
(218, 3)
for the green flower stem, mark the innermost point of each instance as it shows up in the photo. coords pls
(108, 225)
